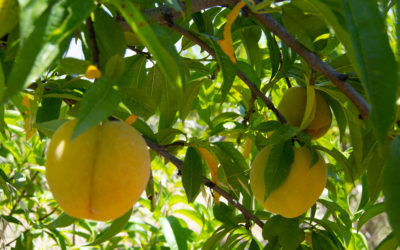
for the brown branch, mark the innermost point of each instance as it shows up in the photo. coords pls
(92, 36)
(207, 182)
(140, 52)
(340, 80)
(158, 14)
(254, 89)
(315, 62)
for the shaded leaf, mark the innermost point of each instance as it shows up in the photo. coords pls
(391, 184)
(192, 170)
(43, 46)
(99, 101)
(376, 64)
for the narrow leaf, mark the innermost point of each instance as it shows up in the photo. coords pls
(116, 226)
(376, 64)
(278, 165)
(168, 64)
(63, 220)
(370, 213)
(173, 233)
(192, 173)
(99, 101)
(43, 46)
(391, 184)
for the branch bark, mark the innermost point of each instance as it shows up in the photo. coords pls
(207, 182)
(315, 62)
(340, 80)
(249, 83)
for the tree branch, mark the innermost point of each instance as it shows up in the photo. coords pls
(93, 42)
(315, 62)
(207, 182)
(340, 80)
(158, 14)
(254, 89)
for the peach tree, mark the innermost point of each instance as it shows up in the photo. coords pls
(201, 81)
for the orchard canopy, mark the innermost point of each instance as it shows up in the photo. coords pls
(202, 82)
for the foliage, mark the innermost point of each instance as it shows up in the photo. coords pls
(185, 99)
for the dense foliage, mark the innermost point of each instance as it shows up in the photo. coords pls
(200, 80)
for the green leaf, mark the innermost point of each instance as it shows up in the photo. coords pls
(115, 67)
(281, 134)
(250, 37)
(99, 101)
(225, 214)
(116, 226)
(44, 44)
(339, 115)
(249, 72)
(305, 27)
(357, 242)
(49, 110)
(335, 209)
(391, 184)
(173, 233)
(228, 68)
(286, 230)
(390, 242)
(190, 94)
(277, 167)
(71, 65)
(193, 215)
(213, 241)
(192, 171)
(233, 164)
(288, 58)
(333, 15)
(274, 53)
(376, 64)
(322, 240)
(171, 99)
(370, 213)
(49, 127)
(168, 64)
(63, 220)
(109, 36)
(135, 72)
(58, 237)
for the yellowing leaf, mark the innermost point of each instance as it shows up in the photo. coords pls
(311, 107)
(9, 12)
(28, 117)
(226, 43)
(247, 147)
(131, 119)
(212, 164)
(26, 101)
(92, 72)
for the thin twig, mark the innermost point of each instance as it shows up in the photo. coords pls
(315, 62)
(207, 182)
(340, 80)
(138, 51)
(92, 36)
(254, 89)
(289, 84)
